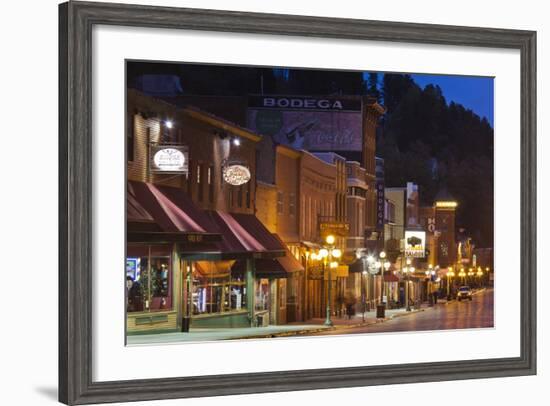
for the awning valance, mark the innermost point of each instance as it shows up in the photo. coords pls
(165, 214)
(244, 233)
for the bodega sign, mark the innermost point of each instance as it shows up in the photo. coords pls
(304, 103)
(169, 159)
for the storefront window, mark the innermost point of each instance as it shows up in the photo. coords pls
(149, 281)
(215, 289)
(262, 294)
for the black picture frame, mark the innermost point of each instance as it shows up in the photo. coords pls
(76, 20)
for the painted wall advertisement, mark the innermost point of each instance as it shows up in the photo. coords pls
(321, 124)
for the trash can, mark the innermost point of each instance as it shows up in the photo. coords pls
(380, 311)
(185, 323)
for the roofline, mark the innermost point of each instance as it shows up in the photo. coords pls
(220, 123)
(288, 151)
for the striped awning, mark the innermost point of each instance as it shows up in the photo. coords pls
(244, 233)
(160, 213)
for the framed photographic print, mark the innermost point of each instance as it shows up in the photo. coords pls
(297, 202)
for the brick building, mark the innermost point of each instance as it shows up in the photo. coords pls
(196, 253)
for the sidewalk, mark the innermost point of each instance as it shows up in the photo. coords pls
(370, 317)
(217, 334)
(291, 329)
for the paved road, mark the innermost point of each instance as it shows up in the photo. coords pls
(455, 315)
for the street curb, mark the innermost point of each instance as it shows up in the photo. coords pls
(283, 334)
(321, 329)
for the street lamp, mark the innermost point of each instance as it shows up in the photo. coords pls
(374, 266)
(382, 256)
(479, 274)
(327, 254)
(387, 266)
(462, 274)
(408, 269)
(450, 275)
(470, 274)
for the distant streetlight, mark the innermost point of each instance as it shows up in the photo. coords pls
(375, 265)
(408, 269)
(462, 274)
(450, 275)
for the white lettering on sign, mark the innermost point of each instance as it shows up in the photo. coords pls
(285, 102)
(169, 159)
(431, 224)
(236, 175)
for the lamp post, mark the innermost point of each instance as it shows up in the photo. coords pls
(387, 266)
(479, 274)
(462, 274)
(408, 269)
(363, 293)
(383, 265)
(364, 273)
(327, 254)
(382, 256)
(373, 266)
(450, 275)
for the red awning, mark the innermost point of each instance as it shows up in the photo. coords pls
(390, 277)
(171, 211)
(289, 261)
(244, 233)
(134, 210)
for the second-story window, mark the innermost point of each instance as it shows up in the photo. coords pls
(240, 196)
(190, 180)
(279, 202)
(210, 184)
(130, 137)
(200, 186)
(292, 204)
(248, 195)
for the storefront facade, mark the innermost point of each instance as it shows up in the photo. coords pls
(196, 254)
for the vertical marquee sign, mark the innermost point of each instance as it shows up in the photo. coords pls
(380, 203)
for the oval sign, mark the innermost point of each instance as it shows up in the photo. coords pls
(236, 174)
(169, 159)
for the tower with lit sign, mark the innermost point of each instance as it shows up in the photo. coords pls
(445, 213)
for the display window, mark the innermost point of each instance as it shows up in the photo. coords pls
(262, 292)
(148, 279)
(216, 289)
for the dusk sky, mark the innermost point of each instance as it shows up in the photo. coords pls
(475, 93)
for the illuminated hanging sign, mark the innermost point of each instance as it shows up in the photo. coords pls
(236, 174)
(337, 228)
(415, 244)
(169, 159)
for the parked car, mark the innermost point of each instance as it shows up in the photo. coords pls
(464, 292)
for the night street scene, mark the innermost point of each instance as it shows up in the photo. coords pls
(270, 202)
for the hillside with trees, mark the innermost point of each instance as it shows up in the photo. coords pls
(426, 140)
